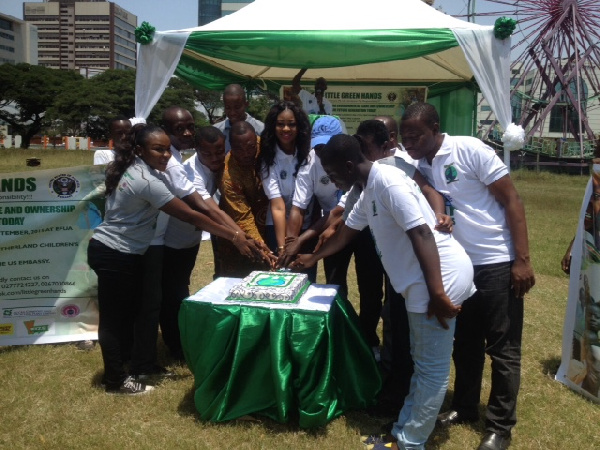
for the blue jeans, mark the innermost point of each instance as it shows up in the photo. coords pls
(431, 349)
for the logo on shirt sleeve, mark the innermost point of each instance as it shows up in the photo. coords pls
(283, 174)
(374, 208)
(451, 173)
(324, 180)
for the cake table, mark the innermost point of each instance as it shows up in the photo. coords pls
(306, 360)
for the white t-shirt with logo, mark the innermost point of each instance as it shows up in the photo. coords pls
(392, 204)
(461, 171)
(353, 194)
(279, 181)
(181, 234)
(132, 209)
(312, 180)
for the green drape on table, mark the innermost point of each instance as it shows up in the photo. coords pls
(277, 363)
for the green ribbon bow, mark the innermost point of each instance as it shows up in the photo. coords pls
(144, 33)
(504, 27)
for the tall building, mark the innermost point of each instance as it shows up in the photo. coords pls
(18, 41)
(231, 6)
(209, 10)
(88, 35)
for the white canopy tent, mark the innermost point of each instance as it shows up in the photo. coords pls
(376, 42)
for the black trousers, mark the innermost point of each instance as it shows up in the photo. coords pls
(144, 356)
(369, 277)
(397, 382)
(491, 322)
(119, 298)
(177, 270)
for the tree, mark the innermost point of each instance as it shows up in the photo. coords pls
(210, 101)
(26, 92)
(259, 106)
(177, 93)
(87, 108)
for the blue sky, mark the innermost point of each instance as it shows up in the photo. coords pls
(165, 15)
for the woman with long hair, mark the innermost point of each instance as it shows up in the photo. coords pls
(134, 197)
(284, 147)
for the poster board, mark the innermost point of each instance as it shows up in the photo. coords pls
(48, 293)
(580, 362)
(355, 103)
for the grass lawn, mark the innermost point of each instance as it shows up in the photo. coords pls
(50, 397)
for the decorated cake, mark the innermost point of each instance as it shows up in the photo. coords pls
(259, 286)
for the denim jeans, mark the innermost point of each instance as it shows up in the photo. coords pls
(491, 322)
(119, 296)
(431, 349)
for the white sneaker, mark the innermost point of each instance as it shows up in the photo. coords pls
(130, 387)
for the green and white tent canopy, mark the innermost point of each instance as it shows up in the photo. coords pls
(379, 41)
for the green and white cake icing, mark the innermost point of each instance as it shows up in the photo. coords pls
(259, 286)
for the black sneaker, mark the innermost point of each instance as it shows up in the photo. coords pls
(155, 373)
(130, 387)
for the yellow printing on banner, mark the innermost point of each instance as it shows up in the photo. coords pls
(6, 329)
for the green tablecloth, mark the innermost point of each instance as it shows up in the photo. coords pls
(308, 359)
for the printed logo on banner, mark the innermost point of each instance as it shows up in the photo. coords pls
(32, 311)
(64, 185)
(392, 96)
(70, 311)
(6, 329)
(32, 328)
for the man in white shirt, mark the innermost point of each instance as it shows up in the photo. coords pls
(235, 103)
(489, 221)
(314, 103)
(178, 123)
(117, 129)
(430, 269)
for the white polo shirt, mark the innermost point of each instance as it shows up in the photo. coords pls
(392, 204)
(279, 181)
(181, 234)
(312, 180)
(175, 177)
(461, 171)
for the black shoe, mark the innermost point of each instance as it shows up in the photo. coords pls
(494, 441)
(452, 417)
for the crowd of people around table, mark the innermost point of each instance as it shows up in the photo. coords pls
(435, 225)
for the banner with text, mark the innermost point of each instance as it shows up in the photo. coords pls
(580, 365)
(48, 293)
(353, 104)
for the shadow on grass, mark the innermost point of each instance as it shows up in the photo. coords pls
(187, 408)
(12, 348)
(550, 366)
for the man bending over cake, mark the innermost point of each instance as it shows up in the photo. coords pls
(430, 269)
